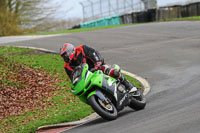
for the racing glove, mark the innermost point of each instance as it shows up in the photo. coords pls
(97, 65)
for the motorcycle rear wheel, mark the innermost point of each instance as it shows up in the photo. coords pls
(108, 112)
(138, 102)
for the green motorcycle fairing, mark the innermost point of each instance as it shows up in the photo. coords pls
(84, 88)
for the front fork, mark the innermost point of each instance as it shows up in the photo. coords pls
(105, 102)
(100, 95)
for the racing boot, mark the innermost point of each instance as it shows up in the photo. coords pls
(129, 86)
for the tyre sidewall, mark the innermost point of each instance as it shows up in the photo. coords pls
(99, 110)
(136, 104)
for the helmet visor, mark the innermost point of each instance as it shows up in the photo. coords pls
(66, 59)
(68, 56)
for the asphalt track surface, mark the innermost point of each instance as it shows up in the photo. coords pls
(166, 54)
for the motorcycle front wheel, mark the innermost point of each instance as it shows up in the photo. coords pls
(138, 101)
(106, 111)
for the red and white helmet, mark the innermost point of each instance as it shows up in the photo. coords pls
(67, 51)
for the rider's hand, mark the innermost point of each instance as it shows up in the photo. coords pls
(97, 65)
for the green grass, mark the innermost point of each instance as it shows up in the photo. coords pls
(62, 107)
(13, 50)
(60, 112)
(134, 81)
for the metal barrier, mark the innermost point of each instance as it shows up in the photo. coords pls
(126, 18)
(113, 20)
(198, 9)
(94, 9)
(169, 12)
(178, 11)
(184, 11)
(163, 13)
(193, 9)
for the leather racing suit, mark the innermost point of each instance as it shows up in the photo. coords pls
(86, 54)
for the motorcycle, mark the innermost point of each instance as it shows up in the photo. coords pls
(106, 95)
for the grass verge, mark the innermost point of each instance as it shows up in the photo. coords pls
(13, 50)
(60, 105)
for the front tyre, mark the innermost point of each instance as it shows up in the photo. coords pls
(106, 111)
(138, 101)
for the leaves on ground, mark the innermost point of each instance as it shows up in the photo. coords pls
(23, 89)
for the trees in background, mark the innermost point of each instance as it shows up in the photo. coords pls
(21, 16)
(9, 17)
(52, 24)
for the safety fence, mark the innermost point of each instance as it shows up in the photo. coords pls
(128, 18)
(94, 9)
(162, 13)
(113, 20)
(138, 17)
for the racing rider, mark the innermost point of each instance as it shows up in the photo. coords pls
(74, 57)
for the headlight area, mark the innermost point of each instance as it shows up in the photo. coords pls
(76, 75)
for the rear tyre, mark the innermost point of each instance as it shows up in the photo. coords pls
(138, 101)
(107, 112)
